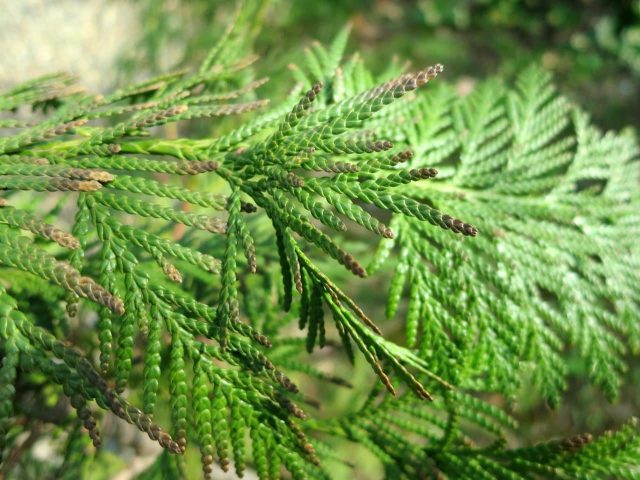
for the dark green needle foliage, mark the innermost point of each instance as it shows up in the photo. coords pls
(163, 279)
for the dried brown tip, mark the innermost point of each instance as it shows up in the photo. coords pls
(286, 382)
(385, 231)
(423, 172)
(101, 150)
(458, 226)
(164, 439)
(291, 407)
(134, 416)
(86, 186)
(470, 230)
(181, 440)
(159, 116)
(420, 390)
(101, 295)
(92, 427)
(337, 296)
(37, 161)
(172, 272)
(101, 176)
(429, 74)
(214, 225)
(384, 378)
(294, 180)
(176, 110)
(65, 127)
(250, 254)
(574, 444)
(144, 423)
(224, 464)
(65, 184)
(3, 202)
(71, 279)
(312, 93)
(353, 265)
(304, 444)
(379, 146)
(402, 156)
(85, 174)
(88, 421)
(344, 167)
(62, 238)
(262, 339)
(207, 465)
(195, 167)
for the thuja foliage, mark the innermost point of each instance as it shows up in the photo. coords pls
(189, 264)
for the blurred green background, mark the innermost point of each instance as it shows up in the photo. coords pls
(591, 46)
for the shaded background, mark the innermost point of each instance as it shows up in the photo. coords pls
(592, 48)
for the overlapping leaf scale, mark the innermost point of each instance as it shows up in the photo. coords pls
(552, 198)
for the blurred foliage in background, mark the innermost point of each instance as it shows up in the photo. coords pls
(591, 46)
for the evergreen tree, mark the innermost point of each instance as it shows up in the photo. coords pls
(510, 221)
